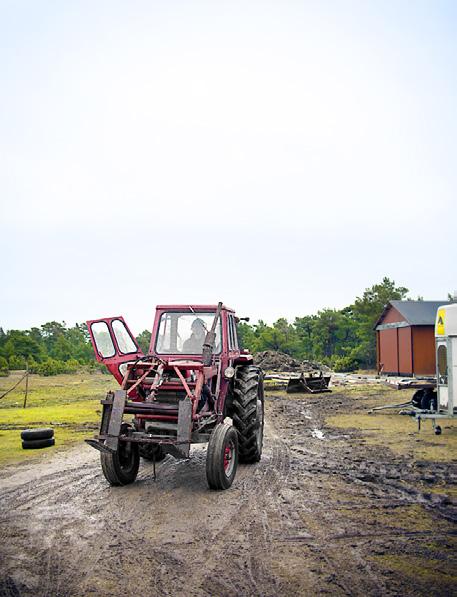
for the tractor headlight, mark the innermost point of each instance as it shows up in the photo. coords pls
(229, 373)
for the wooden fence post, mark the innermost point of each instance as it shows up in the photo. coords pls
(26, 383)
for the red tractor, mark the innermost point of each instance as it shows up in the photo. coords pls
(195, 385)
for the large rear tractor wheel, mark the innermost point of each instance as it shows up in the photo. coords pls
(121, 467)
(248, 412)
(222, 457)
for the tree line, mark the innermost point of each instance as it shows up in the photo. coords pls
(342, 338)
(48, 350)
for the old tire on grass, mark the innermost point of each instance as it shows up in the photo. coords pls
(121, 467)
(152, 452)
(222, 457)
(34, 434)
(248, 412)
(37, 444)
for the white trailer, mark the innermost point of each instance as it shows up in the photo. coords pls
(446, 367)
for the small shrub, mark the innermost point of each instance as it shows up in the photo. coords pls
(16, 362)
(94, 366)
(344, 364)
(72, 366)
(4, 368)
(33, 365)
(50, 367)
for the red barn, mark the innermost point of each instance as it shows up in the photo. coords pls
(405, 338)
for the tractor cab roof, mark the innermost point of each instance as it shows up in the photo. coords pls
(197, 308)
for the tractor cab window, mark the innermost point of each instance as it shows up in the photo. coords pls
(233, 340)
(184, 333)
(123, 338)
(103, 340)
(442, 365)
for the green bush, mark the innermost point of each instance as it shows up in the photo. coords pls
(4, 368)
(72, 366)
(16, 362)
(344, 364)
(32, 364)
(50, 366)
(95, 366)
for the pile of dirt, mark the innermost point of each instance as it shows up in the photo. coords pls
(272, 360)
(314, 366)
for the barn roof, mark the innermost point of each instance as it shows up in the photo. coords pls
(414, 312)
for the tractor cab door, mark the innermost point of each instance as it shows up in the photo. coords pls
(114, 344)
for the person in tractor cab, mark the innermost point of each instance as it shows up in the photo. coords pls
(194, 344)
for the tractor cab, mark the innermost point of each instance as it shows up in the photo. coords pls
(179, 333)
(183, 333)
(191, 380)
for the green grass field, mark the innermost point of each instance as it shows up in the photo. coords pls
(68, 403)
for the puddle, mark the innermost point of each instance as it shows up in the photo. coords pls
(317, 433)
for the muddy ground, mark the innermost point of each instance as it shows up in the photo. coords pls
(324, 512)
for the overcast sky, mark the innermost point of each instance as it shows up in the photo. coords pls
(279, 156)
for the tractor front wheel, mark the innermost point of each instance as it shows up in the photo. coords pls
(222, 457)
(121, 467)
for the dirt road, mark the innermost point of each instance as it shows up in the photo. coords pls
(322, 513)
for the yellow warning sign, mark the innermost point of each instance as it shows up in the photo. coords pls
(440, 319)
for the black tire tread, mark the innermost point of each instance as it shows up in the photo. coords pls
(112, 469)
(35, 434)
(248, 386)
(215, 475)
(37, 444)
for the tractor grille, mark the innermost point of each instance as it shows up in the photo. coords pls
(171, 397)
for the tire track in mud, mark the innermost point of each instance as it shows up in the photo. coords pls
(315, 534)
(116, 539)
(67, 525)
(248, 528)
(204, 562)
(381, 481)
(216, 556)
(282, 529)
(43, 520)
